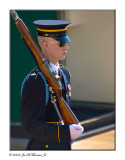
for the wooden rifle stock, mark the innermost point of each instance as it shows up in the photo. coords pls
(67, 114)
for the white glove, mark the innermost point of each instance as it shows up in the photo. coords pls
(75, 130)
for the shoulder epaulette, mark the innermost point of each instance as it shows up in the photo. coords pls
(33, 74)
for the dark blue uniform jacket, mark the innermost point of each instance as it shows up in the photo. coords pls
(38, 113)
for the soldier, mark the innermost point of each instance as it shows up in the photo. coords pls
(39, 118)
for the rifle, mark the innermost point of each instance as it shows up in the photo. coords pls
(67, 114)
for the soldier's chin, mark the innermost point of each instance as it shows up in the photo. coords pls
(63, 57)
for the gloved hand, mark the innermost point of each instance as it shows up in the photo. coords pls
(75, 130)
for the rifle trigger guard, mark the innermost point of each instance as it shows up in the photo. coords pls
(43, 60)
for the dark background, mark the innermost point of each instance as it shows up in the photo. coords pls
(21, 62)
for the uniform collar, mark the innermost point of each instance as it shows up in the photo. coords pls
(54, 68)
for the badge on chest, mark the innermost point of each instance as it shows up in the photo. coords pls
(69, 89)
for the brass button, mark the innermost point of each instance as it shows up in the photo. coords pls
(69, 94)
(46, 146)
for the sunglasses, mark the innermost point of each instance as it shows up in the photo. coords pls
(61, 44)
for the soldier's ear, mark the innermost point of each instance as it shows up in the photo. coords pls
(42, 42)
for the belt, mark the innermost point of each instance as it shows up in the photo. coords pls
(57, 123)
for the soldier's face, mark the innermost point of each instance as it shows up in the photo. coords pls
(52, 49)
(55, 51)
